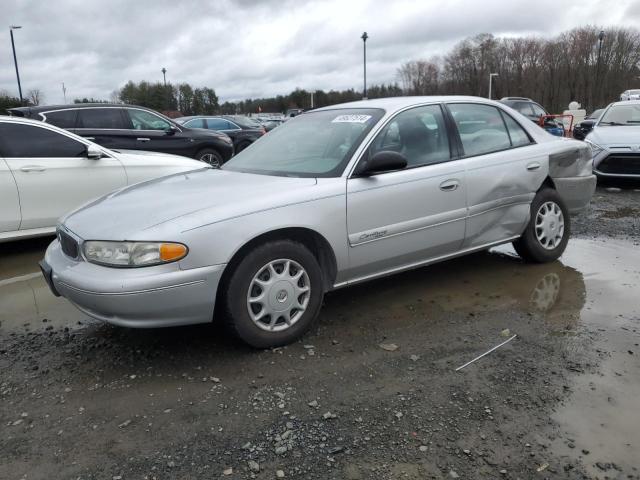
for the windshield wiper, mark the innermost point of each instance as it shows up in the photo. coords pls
(615, 124)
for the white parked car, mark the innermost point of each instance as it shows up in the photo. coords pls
(46, 171)
(630, 95)
(615, 141)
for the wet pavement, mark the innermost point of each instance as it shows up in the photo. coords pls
(81, 399)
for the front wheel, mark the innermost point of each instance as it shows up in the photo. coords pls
(548, 230)
(274, 294)
(210, 156)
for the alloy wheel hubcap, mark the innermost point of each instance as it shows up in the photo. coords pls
(278, 295)
(210, 159)
(549, 226)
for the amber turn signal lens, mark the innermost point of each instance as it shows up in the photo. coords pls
(170, 252)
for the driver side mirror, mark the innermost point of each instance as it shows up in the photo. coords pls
(171, 130)
(384, 161)
(94, 153)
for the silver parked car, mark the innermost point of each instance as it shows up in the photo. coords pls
(615, 141)
(336, 196)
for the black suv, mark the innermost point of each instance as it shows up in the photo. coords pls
(135, 128)
(242, 130)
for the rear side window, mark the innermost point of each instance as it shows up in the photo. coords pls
(523, 107)
(26, 141)
(518, 135)
(218, 124)
(110, 118)
(481, 128)
(61, 118)
(196, 123)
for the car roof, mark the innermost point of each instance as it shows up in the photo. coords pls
(626, 102)
(47, 108)
(397, 103)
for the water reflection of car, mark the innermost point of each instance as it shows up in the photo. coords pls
(243, 131)
(615, 141)
(131, 127)
(534, 111)
(582, 129)
(46, 171)
(337, 196)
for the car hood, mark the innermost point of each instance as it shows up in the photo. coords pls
(612, 135)
(192, 199)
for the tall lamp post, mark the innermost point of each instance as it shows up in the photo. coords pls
(364, 44)
(491, 75)
(600, 39)
(166, 93)
(15, 59)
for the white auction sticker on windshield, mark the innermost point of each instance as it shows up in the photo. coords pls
(351, 119)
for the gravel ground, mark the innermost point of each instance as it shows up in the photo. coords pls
(371, 393)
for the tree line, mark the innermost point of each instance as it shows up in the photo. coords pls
(584, 64)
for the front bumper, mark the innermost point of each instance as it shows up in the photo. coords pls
(576, 191)
(148, 297)
(617, 164)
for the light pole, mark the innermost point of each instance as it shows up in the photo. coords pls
(15, 59)
(364, 44)
(600, 39)
(491, 75)
(164, 75)
(166, 93)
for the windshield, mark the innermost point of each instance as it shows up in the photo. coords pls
(621, 115)
(314, 144)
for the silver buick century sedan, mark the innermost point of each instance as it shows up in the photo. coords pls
(336, 196)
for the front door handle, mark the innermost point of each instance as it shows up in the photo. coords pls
(32, 168)
(533, 166)
(143, 139)
(449, 185)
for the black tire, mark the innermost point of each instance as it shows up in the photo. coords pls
(210, 156)
(236, 291)
(528, 246)
(241, 146)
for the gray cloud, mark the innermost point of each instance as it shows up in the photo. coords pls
(247, 48)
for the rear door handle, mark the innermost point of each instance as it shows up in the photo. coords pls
(533, 166)
(32, 168)
(143, 139)
(449, 185)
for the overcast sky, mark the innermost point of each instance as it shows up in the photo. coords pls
(247, 48)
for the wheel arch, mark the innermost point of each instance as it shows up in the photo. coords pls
(317, 244)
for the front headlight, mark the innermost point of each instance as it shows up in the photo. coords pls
(133, 254)
(595, 148)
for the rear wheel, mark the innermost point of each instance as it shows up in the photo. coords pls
(547, 233)
(210, 156)
(274, 294)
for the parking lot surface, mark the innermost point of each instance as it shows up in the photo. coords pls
(371, 393)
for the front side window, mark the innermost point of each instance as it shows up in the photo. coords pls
(27, 141)
(314, 144)
(61, 118)
(618, 115)
(524, 108)
(109, 118)
(481, 128)
(419, 134)
(143, 120)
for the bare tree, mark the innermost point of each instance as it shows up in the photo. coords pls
(35, 96)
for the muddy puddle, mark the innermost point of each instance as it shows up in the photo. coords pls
(26, 304)
(593, 290)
